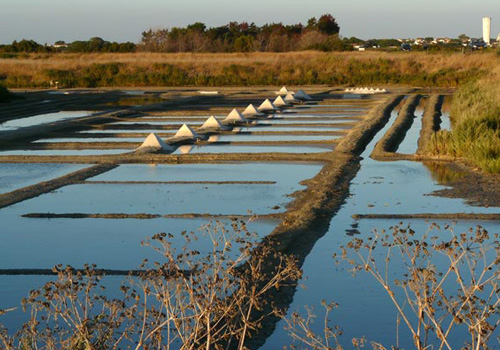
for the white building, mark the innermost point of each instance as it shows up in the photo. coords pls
(487, 30)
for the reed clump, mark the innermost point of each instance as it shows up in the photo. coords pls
(244, 69)
(475, 114)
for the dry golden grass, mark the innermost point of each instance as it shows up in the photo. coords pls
(291, 67)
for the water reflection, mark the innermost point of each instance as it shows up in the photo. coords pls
(442, 173)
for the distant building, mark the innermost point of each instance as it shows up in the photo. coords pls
(441, 41)
(60, 45)
(486, 30)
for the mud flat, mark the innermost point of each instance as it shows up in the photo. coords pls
(388, 144)
(430, 121)
(463, 181)
(362, 134)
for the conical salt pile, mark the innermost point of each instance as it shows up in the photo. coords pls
(283, 91)
(235, 117)
(212, 123)
(154, 142)
(290, 99)
(279, 102)
(267, 106)
(186, 132)
(251, 111)
(301, 95)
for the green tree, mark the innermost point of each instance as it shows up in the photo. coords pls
(244, 43)
(328, 25)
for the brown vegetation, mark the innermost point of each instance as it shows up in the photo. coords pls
(202, 69)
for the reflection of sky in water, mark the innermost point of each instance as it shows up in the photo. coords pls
(261, 137)
(379, 188)
(18, 175)
(115, 244)
(118, 131)
(111, 244)
(162, 199)
(445, 120)
(410, 143)
(249, 149)
(265, 121)
(42, 119)
(365, 309)
(93, 139)
(180, 199)
(63, 152)
(286, 173)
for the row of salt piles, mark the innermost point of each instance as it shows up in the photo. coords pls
(186, 134)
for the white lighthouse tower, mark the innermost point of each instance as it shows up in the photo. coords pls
(486, 29)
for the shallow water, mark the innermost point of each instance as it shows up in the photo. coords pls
(42, 119)
(162, 199)
(92, 139)
(77, 241)
(264, 121)
(331, 121)
(400, 187)
(17, 175)
(410, 143)
(111, 244)
(195, 149)
(261, 137)
(287, 174)
(365, 309)
(64, 152)
(301, 128)
(124, 131)
(224, 199)
(445, 120)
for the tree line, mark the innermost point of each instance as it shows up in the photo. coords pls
(320, 34)
(317, 34)
(95, 44)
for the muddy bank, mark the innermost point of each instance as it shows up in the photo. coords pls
(430, 121)
(389, 143)
(150, 158)
(477, 188)
(133, 145)
(33, 191)
(363, 132)
(430, 216)
(180, 182)
(145, 216)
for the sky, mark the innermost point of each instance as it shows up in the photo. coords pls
(47, 21)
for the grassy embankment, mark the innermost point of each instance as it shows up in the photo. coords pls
(475, 136)
(237, 69)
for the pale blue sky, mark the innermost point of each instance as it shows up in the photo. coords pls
(124, 20)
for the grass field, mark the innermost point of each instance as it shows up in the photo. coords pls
(298, 68)
(475, 113)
